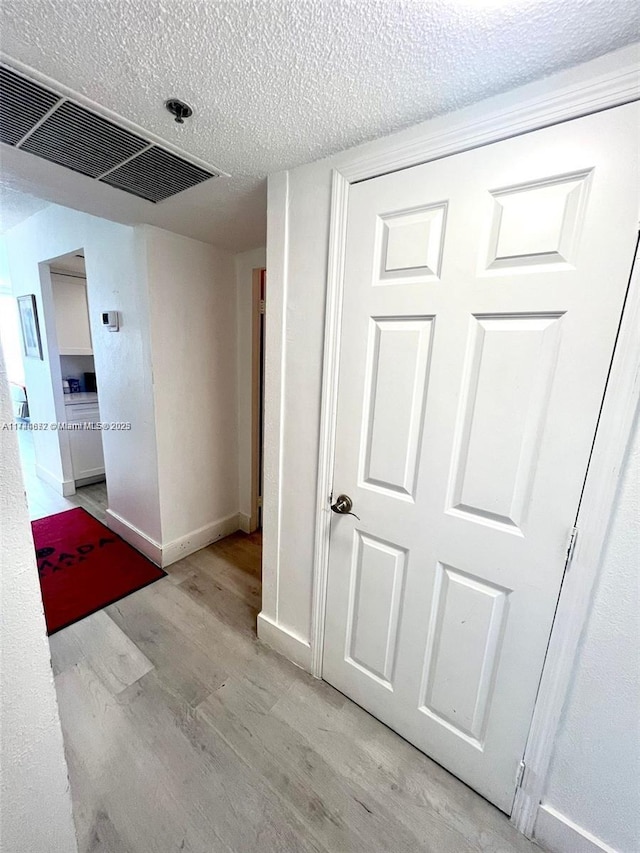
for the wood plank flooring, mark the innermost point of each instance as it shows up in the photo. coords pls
(44, 500)
(184, 732)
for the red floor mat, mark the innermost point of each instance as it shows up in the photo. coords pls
(84, 566)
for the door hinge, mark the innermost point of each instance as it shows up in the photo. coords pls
(260, 501)
(571, 546)
(520, 774)
(261, 308)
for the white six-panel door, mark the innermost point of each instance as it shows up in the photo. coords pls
(482, 297)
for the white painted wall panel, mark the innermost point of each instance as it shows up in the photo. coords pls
(34, 771)
(193, 341)
(116, 280)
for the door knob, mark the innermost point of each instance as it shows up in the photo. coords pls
(343, 506)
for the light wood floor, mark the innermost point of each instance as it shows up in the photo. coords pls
(44, 500)
(183, 732)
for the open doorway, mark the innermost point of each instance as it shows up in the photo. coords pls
(54, 390)
(243, 549)
(81, 441)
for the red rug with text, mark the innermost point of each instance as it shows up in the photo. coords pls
(84, 566)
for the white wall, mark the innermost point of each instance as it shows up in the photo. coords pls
(297, 245)
(35, 803)
(9, 322)
(245, 263)
(171, 371)
(10, 337)
(594, 779)
(116, 279)
(193, 339)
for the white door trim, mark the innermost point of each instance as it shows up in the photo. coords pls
(328, 412)
(612, 438)
(257, 400)
(601, 93)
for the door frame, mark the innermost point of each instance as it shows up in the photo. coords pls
(613, 430)
(257, 394)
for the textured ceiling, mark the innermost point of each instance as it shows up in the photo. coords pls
(275, 83)
(15, 206)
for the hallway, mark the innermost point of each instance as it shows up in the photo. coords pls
(183, 732)
(44, 500)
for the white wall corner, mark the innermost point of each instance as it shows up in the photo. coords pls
(244, 522)
(274, 385)
(284, 641)
(197, 539)
(556, 833)
(63, 487)
(199, 483)
(139, 540)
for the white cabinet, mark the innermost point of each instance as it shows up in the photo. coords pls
(72, 315)
(85, 443)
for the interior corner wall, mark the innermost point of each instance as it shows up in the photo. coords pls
(592, 798)
(192, 290)
(297, 241)
(245, 264)
(35, 803)
(116, 280)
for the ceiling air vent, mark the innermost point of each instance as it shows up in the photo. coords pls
(22, 105)
(57, 129)
(82, 141)
(155, 175)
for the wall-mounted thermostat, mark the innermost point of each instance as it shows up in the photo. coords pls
(111, 320)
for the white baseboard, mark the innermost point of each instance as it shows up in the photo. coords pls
(91, 479)
(556, 833)
(139, 540)
(66, 488)
(284, 641)
(165, 555)
(92, 474)
(197, 539)
(244, 522)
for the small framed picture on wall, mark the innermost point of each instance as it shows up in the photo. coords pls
(30, 328)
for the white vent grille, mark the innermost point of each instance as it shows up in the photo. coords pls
(43, 123)
(22, 105)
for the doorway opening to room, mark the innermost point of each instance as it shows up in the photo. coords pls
(54, 391)
(79, 382)
(244, 548)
